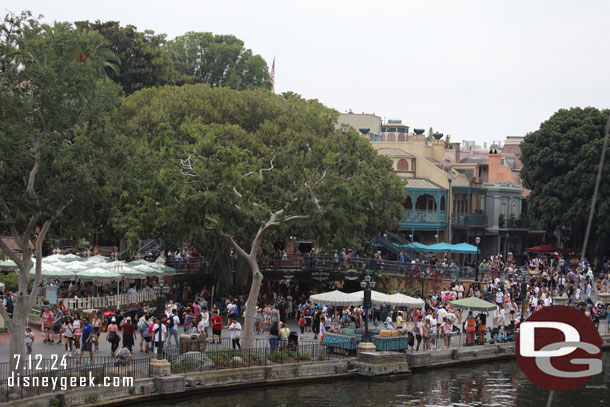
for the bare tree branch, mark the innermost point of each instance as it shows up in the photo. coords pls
(260, 172)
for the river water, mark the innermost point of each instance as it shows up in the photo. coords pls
(490, 384)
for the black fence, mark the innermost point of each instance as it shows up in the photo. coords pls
(231, 359)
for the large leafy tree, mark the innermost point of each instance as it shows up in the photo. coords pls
(240, 165)
(218, 60)
(560, 162)
(144, 61)
(53, 89)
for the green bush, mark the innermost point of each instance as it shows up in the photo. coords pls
(53, 402)
(288, 356)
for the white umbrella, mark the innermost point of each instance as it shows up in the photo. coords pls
(402, 300)
(336, 298)
(376, 297)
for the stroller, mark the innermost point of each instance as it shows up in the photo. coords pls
(293, 341)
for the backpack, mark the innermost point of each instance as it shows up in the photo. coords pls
(307, 311)
(170, 322)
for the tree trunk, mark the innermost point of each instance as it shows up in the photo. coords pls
(255, 288)
(16, 326)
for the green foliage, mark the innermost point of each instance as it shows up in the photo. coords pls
(10, 281)
(286, 356)
(430, 134)
(218, 60)
(560, 162)
(54, 91)
(144, 61)
(186, 153)
(54, 402)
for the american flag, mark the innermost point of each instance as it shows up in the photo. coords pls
(272, 75)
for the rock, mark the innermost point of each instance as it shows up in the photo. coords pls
(237, 359)
(193, 361)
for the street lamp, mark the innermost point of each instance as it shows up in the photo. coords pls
(367, 284)
(450, 211)
(478, 240)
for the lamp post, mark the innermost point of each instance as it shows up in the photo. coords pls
(450, 213)
(367, 284)
(478, 240)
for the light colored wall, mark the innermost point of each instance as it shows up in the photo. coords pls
(361, 120)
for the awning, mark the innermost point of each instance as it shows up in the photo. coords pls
(548, 248)
(473, 304)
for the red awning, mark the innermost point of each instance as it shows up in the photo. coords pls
(548, 248)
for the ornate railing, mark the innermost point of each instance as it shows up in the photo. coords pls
(469, 219)
(109, 301)
(421, 216)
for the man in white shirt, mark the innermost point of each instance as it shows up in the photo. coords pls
(173, 321)
(159, 332)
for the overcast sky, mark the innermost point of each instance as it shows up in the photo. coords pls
(478, 70)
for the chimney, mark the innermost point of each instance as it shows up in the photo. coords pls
(494, 167)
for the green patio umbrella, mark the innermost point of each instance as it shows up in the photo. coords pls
(473, 304)
(98, 273)
(52, 272)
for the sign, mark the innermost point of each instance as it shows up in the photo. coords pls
(320, 275)
(559, 348)
(351, 275)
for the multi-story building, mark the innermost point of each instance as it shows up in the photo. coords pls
(456, 192)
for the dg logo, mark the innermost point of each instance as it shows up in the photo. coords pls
(558, 348)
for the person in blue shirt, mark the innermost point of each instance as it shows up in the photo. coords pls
(86, 338)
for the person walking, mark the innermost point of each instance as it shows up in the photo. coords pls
(29, 339)
(160, 332)
(145, 334)
(173, 321)
(216, 327)
(87, 335)
(112, 336)
(274, 335)
(46, 322)
(129, 334)
(235, 328)
(67, 331)
(96, 323)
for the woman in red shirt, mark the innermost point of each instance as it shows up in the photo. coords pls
(216, 326)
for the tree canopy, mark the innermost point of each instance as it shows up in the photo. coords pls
(144, 60)
(53, 90)
(560, 162)
(218, 60)
(238, 156)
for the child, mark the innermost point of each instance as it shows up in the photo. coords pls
(302, 325)
(29, 339)
(322, 330)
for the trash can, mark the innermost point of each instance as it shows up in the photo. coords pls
(201, 342)
(188, 343)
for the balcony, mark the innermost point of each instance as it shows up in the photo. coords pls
(423, 218)
(469, 219)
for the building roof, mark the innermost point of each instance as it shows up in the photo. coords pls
(421, 183)
(474, 160)
(11, 244)
(514, 149)
(395, 153)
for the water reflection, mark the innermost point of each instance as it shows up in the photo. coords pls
(495, 384)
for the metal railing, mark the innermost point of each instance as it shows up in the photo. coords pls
(231, 359)
(109, 301)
